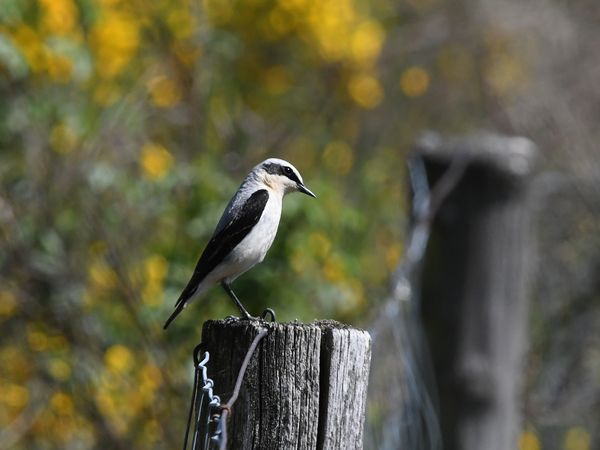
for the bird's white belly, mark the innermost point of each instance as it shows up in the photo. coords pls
(253, 248)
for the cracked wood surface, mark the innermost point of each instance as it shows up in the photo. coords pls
(305, 386)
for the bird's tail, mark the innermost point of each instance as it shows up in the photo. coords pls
(178, 308)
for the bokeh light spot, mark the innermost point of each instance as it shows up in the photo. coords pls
(164, 91)
(366, 42)
(58, 16)
(365, 90)
(37, 339)
(414, 81)
(62, 403)
(14, 395)
(118, 359)
(528, 440)
(102, 276)
(156, 161)
(577, 438)
(115, 39)
(60, 369)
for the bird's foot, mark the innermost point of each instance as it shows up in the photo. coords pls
(246, 316)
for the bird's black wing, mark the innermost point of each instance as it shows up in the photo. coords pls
(222, 243)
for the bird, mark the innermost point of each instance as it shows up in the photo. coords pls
(244, 233)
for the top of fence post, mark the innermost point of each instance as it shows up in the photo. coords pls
(304, 388)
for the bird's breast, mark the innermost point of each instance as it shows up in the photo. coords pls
(253, 248)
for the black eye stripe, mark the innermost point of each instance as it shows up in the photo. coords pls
(288, 172)
(278, 169)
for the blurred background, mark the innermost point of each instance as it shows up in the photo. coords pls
(125, 127)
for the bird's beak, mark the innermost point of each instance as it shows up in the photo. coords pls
(305, 190)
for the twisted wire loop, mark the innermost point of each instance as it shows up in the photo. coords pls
(204, 407)
(208, 413)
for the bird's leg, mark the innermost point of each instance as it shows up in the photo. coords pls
(245, 314)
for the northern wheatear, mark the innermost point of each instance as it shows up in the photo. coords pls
(245, 232)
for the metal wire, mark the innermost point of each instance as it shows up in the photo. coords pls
(400, 346)
(209, 414)
(204, 407)
(238, 385)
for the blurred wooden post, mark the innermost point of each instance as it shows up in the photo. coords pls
(474, 291)
(305, 387)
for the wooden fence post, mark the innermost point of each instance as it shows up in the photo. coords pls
(305, 387)
(474, 287)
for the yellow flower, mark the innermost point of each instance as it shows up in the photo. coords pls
(528, 440)
(164, 92)
(156, 161)
(331, 24)
(14, 395)
(577, 438)
(118, 359)
(115, 40)
(60, 370)
(414, 82)
(365, 90)
(58, 16)
(156, 268)
(37, 339)
(366, 42)
(62, 403)
(59, 67)
(31, 46)
(106, 404)
(101, 275)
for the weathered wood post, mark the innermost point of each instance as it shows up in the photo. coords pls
(305, 387)
(474, 287)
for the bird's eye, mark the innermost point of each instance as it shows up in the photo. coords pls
(288, 170)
